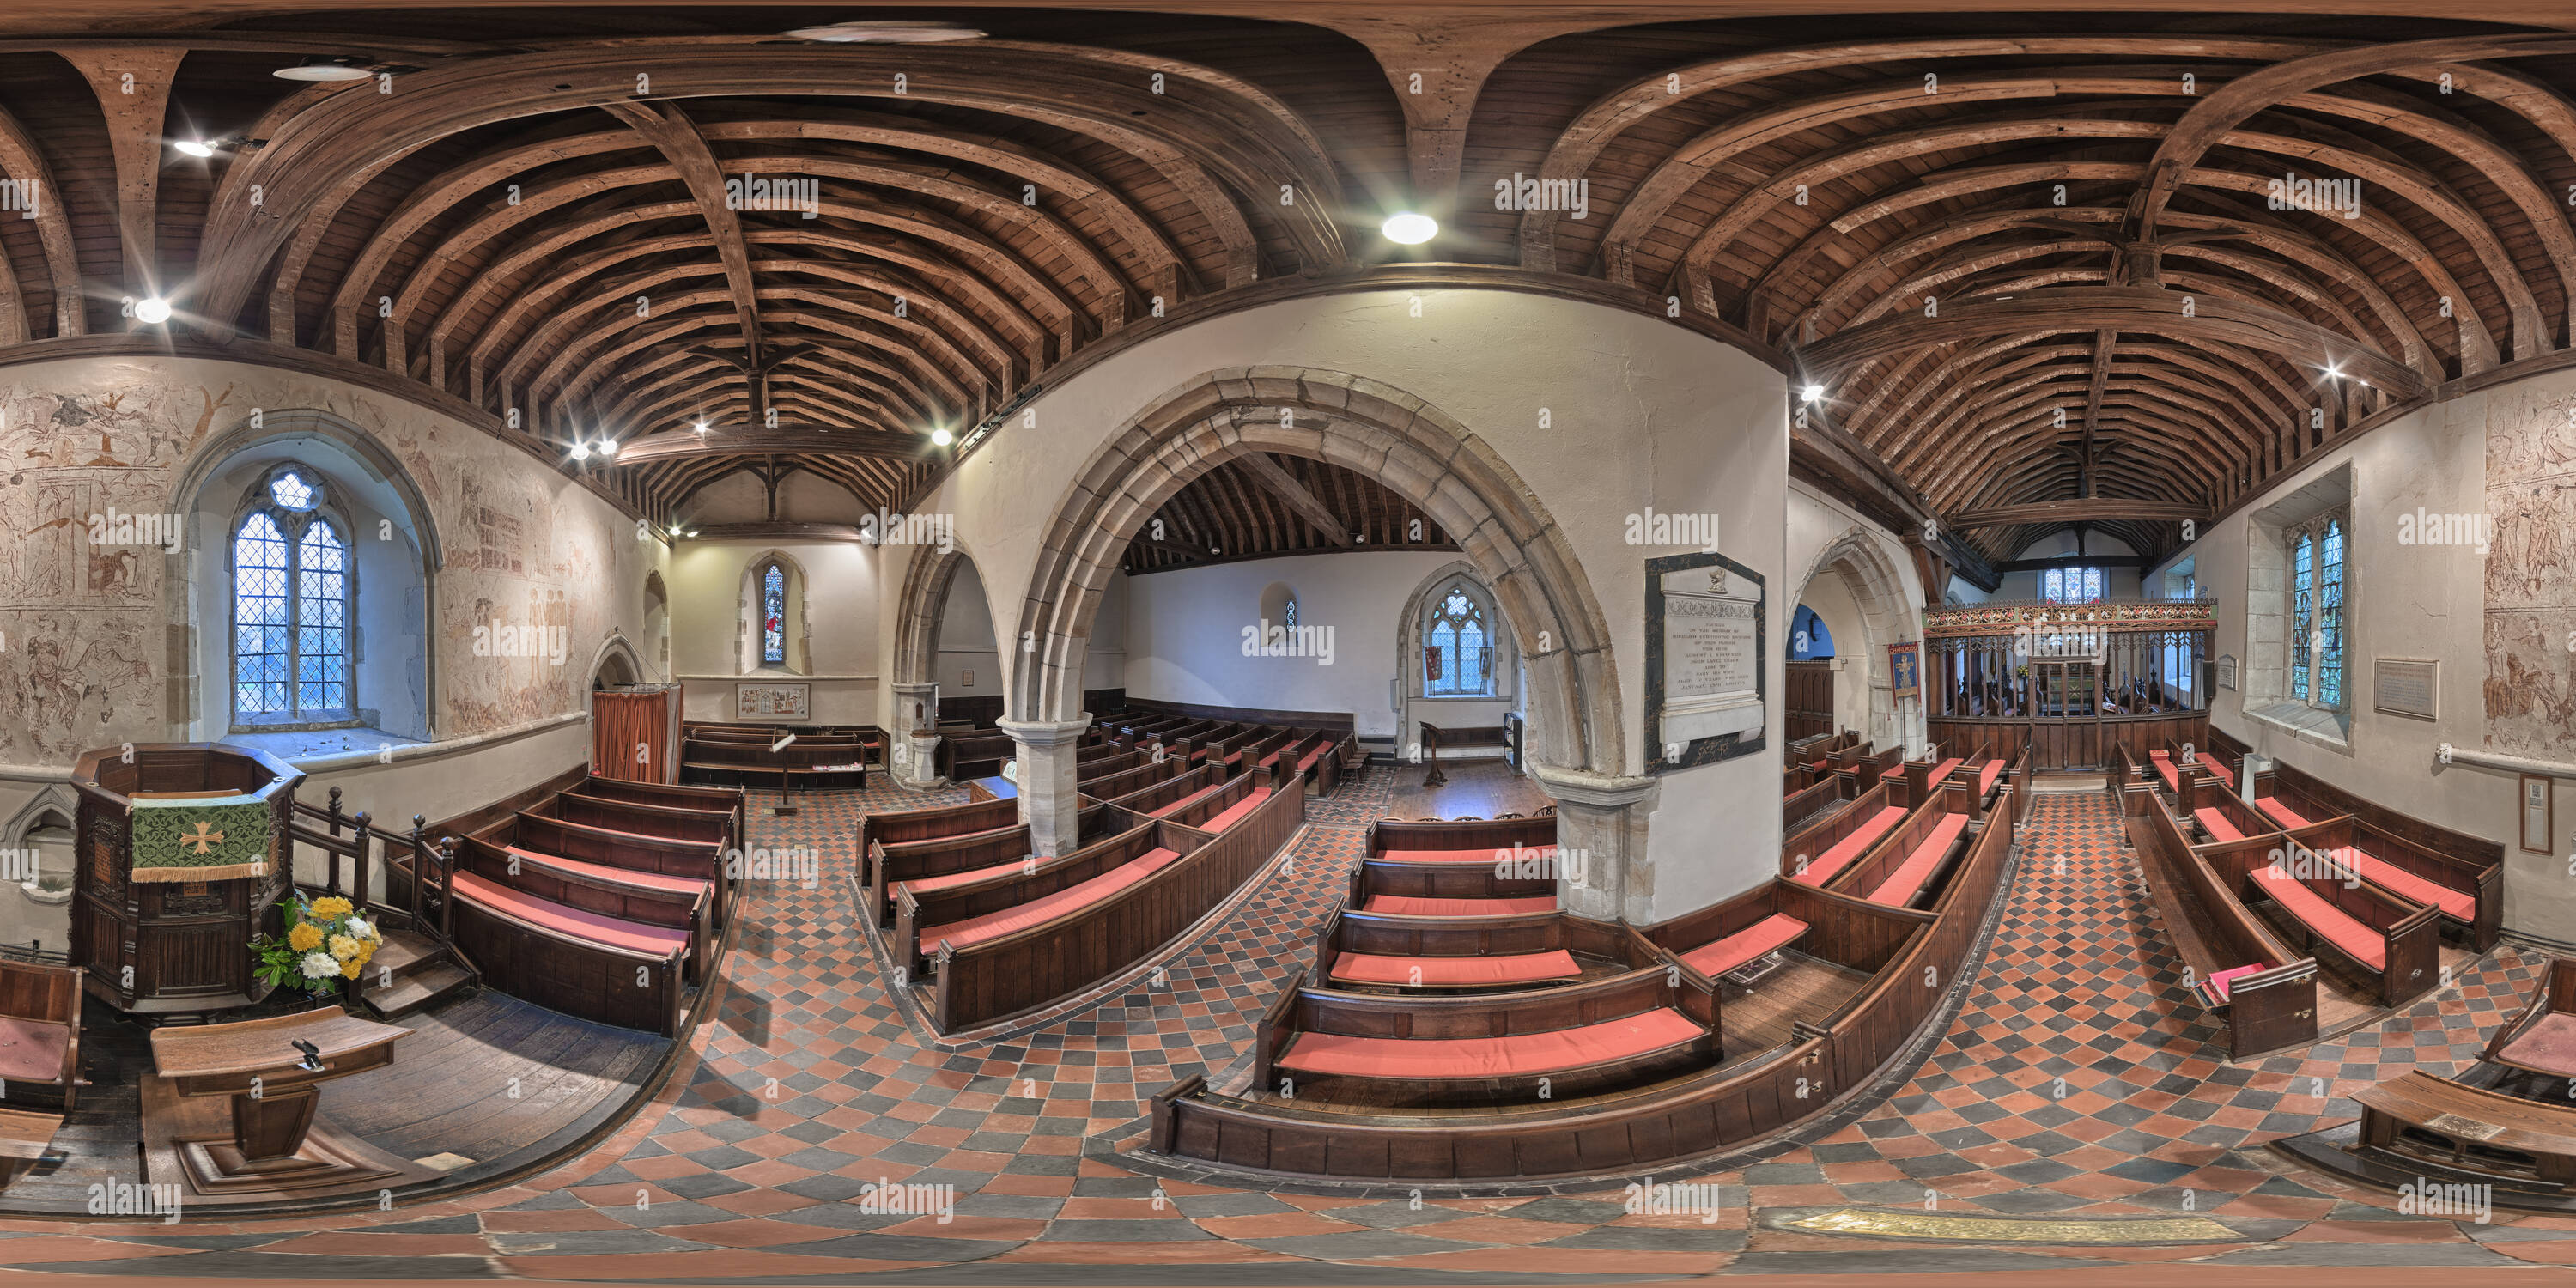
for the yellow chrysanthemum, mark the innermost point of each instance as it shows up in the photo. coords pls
(349, 968)
(332, 905)
(305, 937)
(343, 947)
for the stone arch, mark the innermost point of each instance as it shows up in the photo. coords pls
(800, 631)
(391, 613)
(616, 662)
(56, 801)
(657, 619)
(1860, 562)
(924, 599)
(1514, 547)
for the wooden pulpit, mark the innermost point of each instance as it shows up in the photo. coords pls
(152, 936)
(232, 1110)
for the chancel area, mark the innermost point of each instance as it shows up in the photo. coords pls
(1291, 644)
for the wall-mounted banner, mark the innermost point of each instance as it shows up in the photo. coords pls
(770, 701)
(1905, 668)
(1706, 683)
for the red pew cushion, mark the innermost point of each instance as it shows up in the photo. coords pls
(1176, 806)
(1986, 777)
(1776, 931)
(2219, 827)
(994, 925)
(572, 922)
(624, 876)
(1823, 867)
(1521, 1055)
(924, 885)
(1944, 769)
(1455, 972)
(1400, 905)
(2457, 905)
(2281, 814)
(2218, 771)
(1235, 813)
(1909, 878)
(2365, 945)
(32, 1050)
(2165, 770)
(2549, 1044)
(1483, 855)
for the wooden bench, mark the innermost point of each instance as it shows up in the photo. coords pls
(644, 903)
(1818, 853)
(2468, 897)
(2272, 1006)
(1817, 803)
(1125, 782)
(796, 766)
(1579, 1039)
(1220, 807)
(1157, 796)
(2541, 1037)
(2217, 813)
(598, 968)
(2417, 1115)
(2393, 943)
(1907, 860)
(542, 833)
(40, 1028)
(1453, 889)
(977, 755)
(1034, 962)
(1379, 950)
(945, 862)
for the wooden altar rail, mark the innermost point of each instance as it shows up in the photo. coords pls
(2075, 742)
(405, 910)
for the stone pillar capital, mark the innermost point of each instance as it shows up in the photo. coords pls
(1045, 733)
(1601, 819)
(1569, 786)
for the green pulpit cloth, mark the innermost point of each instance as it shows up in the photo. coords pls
(209, 838)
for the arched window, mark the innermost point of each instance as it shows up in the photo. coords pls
(2303, 557)
(2330, 616)
(291, 607)
(1457, 646)
(773, 616)
(1288, 614)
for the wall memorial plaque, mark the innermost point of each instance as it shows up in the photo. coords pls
(2406, 686)
(770, 701)
(1706, 676)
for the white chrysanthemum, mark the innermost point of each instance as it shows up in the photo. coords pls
(358, 928)
(320, 966)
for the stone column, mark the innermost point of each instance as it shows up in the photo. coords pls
(1602, 817)
(1050, 800)
(914, 755)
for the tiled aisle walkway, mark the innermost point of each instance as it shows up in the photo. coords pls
(808, 1087)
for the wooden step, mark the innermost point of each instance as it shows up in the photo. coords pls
(411, 992)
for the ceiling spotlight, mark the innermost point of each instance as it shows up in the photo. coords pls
(895, 32)
(2334, 372)
(1812, 393)
(580, 450)
(1405, 228)
(195, 147)
(607, 446)
(941, 438)
(152, 310)
(702, 427)
(343, 68)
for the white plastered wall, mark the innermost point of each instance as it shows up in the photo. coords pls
(1601, 412)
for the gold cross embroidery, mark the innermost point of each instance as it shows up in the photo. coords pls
(203, 839)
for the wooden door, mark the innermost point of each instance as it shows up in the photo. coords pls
(1811, 699)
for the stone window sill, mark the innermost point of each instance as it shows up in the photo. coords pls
(2327, 729)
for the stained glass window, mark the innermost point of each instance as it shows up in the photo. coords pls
(290, 608)
(1288, 615)
(2330, 617)
(773, 616)
(1459, 656)
(2071, 585)
(2302, 606)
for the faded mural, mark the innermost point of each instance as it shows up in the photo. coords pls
(2531, 579)
(85, 644)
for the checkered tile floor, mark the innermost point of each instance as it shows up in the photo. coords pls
(2079, 1079)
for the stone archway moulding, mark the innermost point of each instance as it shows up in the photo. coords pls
(1862, 563)
(1420, 453)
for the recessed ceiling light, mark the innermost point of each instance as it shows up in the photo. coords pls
(895, 32)
(152, 310)
(702, 427)
(607, 446)
(1406, 228)
(195, 147)
(941, 438)
(345, 68)
(1812, 393)
(580, 450)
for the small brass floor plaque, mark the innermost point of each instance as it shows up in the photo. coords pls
(1958, 1228)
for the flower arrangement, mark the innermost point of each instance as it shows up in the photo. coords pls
(326, 941)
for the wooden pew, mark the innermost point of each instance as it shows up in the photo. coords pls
(1817, 803)
(2271, 1008)
(941, 859)
(1402, 1051)
(2469, 897)
(979, 755)
(2391, 942)
(821, 766)
(1908, 862)
(1168, 792)
(1067, 949)
(724, 801)
(1447, 889)
(613, 894)
(1363, 950)
(1112, 786)
(632, 977)
(1817, 853)
(2216, 814)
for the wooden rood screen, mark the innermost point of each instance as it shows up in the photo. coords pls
(2071, 681)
